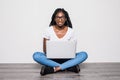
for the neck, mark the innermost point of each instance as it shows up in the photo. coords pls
(60, 27)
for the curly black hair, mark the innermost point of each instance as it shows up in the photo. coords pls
(67, 22)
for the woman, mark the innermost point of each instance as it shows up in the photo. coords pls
(60, 29)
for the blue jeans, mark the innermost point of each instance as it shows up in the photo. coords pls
(42, 59)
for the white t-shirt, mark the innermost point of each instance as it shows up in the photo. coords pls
(50, 34)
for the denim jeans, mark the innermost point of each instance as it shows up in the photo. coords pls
(64, 64)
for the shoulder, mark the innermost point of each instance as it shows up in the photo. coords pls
(47, 32)
(48, 29)
(71, 30)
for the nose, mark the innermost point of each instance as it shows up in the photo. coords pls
(60, 19)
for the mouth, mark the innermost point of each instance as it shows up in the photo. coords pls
(60, 24)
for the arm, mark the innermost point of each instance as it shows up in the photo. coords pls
(46, 36)
(44, 45)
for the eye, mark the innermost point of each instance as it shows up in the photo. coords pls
(60, 17)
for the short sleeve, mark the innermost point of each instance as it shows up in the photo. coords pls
(73, 35)
(46, 34)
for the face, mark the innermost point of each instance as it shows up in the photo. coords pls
(60, 19)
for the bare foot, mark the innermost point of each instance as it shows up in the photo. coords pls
(57, 68)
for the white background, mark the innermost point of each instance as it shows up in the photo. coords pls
(22, 22)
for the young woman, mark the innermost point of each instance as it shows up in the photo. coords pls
(60, 28)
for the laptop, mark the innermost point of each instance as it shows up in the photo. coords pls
(60, 49)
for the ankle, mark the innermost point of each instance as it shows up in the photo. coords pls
(57, 68)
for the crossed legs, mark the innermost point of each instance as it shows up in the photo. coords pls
(42, 59)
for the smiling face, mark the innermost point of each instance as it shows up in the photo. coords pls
(60, 19)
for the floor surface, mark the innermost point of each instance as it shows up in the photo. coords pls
(89, 71)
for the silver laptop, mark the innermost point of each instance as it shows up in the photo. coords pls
(60, 49)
